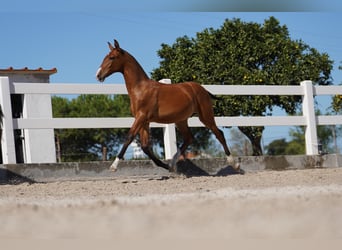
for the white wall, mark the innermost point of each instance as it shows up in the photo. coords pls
(38, 144)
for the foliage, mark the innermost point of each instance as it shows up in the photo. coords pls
(296, 146)
(337, 104)
(245, 53)
(90, 144)
(277, 147)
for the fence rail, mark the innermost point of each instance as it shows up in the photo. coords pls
(305, 89)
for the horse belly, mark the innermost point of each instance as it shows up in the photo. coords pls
(172, 110)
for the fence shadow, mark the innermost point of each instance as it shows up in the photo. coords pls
(190, 169)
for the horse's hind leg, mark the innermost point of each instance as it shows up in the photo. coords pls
(219, 136)
(145, 145)
(209, 121)
(184, 129)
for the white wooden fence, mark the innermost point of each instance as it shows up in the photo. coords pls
(305, 89)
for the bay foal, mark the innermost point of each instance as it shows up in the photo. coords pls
(151, 101)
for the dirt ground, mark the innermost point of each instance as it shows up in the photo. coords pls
(266, 204)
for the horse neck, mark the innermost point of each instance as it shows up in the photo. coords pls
(133, 73)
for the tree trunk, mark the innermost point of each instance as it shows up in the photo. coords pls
(58, 148)
(254, 134)
(104, 153)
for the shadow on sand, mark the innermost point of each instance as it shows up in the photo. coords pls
(189, 169)
(184, 167)
(8, 177)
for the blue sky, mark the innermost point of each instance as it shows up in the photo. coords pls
(72, 35)
(75, 42)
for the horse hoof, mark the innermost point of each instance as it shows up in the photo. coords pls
(237, 166)
(114, 165)
(231, 162)
(173, 166)
(112, 169)
(175, 157)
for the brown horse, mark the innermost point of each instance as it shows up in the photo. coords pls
(152, 101)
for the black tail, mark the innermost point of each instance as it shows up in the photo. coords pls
(215, 97)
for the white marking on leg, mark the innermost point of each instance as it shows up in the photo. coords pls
(231, 162)
(114, 165)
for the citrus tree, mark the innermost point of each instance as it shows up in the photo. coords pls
(246, 53)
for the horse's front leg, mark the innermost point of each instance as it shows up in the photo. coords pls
(145, 145)
(138, 123)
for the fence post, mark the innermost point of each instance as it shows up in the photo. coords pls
(311, 142)
(170, 141)
(7, 140)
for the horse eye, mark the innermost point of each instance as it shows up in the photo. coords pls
(112, 57)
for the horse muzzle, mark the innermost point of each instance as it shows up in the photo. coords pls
(99, 77)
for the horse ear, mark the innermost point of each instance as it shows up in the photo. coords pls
(116, 44)
(110, 46)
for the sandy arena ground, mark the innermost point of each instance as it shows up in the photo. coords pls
(267, 204)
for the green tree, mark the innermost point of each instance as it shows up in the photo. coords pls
(89, 144)
(336, 103)
(297, 145)
(336, 107)
(245, 53)
(277, 147)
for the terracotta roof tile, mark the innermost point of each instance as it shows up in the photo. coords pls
(26, 70)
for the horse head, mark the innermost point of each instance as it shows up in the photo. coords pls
(111, 63)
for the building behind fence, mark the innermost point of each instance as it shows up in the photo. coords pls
(26, 145)
(28, 125)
